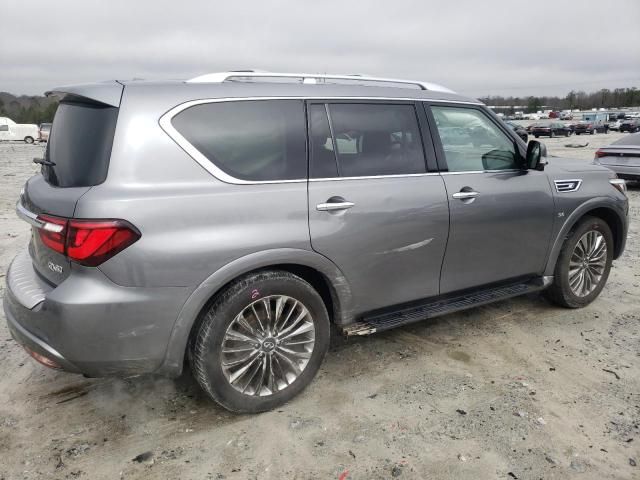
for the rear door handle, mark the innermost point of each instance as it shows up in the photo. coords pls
(465, 195)
(332, 206)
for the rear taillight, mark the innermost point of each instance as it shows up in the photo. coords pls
(94, 242)
(88, 242)
(600, 154)
(52, 232)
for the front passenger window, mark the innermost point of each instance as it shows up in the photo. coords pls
(472, 142)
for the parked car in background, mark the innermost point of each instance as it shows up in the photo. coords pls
(520, 131)
(592, 123)
(622, 156)
(10, 130)
(44, 131)
(566, 116)
(615, 125)
(553, 129)
(590, 128)
(251, 216)
(630, 125)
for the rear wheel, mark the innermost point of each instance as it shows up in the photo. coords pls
(594, 131)
(551, 135)
(261, 342)
(28, 140)
(583, 265)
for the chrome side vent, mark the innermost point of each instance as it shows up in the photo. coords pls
(567, 186)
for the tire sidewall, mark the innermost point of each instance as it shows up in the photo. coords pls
(223, 312)
(562, 269)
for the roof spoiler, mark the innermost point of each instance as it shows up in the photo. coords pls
(107, 93)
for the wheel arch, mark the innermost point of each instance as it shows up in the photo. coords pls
(316, 269)
(597, 207)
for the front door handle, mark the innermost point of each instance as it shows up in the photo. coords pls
(333, 206)
(465, 195)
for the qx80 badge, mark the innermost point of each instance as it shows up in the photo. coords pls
(54, 267)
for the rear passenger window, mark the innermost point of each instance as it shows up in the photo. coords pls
(255, 140)
(372, 140)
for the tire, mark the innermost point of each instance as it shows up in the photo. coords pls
(561, 291)
(537, 136)
(257, 290)
(28, 140)
(551, 135)
(594, 131)
(566, 134)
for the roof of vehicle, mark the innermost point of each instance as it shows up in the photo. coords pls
(245, 85)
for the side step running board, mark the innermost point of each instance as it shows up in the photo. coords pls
(385, 321)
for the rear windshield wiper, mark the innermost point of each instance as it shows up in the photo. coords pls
(42, 161)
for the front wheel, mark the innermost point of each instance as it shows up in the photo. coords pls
(583, 265)
(28, 140)
(261, 342)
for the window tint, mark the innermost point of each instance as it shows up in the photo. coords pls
(472, 142)
(4, 128)
(323, 159)
(256, 140)
(374, 139)
(80, 144)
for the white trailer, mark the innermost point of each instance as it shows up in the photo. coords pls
(10, 130)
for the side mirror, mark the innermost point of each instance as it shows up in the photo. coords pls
(536, 155)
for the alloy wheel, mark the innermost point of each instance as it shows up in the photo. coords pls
(588, 263)
(268, 345)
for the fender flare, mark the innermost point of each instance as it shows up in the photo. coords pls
(576, 215)
(176, 348)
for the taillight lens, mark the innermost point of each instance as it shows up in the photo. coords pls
(53, 232)
(600, 154)
(91, 242)
(88, 242)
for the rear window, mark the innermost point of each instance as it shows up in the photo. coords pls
(255, 140)
(79, 144)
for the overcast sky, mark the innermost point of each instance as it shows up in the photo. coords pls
(476, 47)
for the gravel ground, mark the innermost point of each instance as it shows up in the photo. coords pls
(519, 389)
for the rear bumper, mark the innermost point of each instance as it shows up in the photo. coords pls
(624, 171)
(90, 325)
(33, 343)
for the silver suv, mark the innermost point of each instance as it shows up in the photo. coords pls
(231, 219)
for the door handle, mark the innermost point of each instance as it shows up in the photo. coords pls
(332, 206)
(465, 195)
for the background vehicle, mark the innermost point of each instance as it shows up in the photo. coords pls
(630, 125)
(622, 156)
(566, 116)
(553, 129)
(520, 131)
(10, 130)
(43, 132)
(592, 123)
(590, 128)
(252, 214)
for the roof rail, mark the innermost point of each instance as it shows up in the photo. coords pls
(311, 78)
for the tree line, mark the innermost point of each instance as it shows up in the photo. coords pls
(605, 98)
(27, 109)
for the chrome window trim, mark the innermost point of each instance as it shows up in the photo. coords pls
(373, 177)
(510, 170)
(204, 162)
